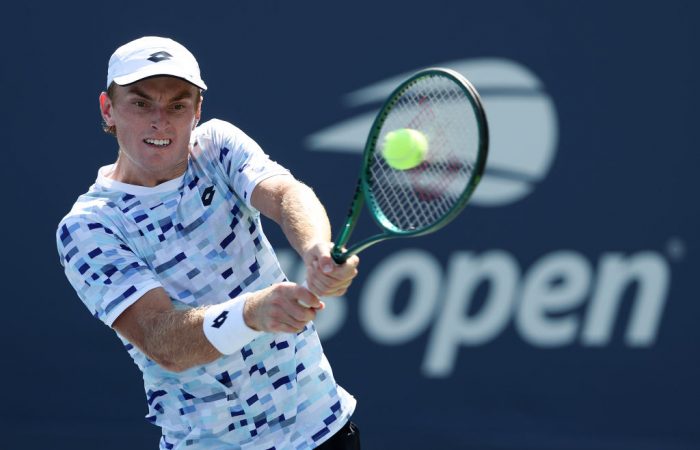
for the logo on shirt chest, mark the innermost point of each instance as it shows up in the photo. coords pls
(208, 196)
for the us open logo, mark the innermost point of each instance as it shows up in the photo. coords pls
(522, 121)
(561, 299)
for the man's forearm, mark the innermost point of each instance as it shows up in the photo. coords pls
(174, 339)
(303, 218)
(179, 339)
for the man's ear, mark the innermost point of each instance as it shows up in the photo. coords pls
(198, 112)
(106, 109)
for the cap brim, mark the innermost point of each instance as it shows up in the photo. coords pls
(156, 70)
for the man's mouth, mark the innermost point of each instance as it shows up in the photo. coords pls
(157, 142)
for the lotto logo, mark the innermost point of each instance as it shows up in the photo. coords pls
(220, 319)
(160, 56)
(208, 196)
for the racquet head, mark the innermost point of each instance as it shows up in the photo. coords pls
(446, 110)
(443, 106)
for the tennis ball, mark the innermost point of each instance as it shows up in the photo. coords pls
(404, 148)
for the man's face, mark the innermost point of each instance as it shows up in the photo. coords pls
(154, 119)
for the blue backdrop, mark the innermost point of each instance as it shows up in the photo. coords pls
(558, 312)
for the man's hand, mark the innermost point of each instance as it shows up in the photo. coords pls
(295, 207)
(324, 277)
(278, 308)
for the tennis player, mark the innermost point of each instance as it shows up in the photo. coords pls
(166, 247)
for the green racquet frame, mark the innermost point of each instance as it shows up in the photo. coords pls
(364, 192)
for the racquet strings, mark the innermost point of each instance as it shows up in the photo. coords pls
(420, 197)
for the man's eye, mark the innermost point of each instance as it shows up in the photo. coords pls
(179, 106)
(140, 104)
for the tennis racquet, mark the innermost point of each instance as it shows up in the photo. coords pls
(446, 108)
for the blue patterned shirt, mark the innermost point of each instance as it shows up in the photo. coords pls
(199, 238)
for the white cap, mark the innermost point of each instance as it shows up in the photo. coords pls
(150, 56)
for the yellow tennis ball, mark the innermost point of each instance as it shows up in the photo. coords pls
(404, 148)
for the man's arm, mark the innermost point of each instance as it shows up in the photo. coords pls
(172, 338)
(303, 219)
(175, 339)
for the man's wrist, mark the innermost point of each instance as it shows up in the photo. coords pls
(248, 313)
(225, 327)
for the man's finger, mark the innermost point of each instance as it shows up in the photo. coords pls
(300, 313)
(307, 299)
(327, 264)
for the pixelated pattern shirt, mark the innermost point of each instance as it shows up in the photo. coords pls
(199, 238)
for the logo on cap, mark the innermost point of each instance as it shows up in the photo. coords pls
(160, 56)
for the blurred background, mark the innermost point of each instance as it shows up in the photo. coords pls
(559, 311)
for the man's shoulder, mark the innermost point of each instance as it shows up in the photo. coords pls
(217, 140)
(93, 207)
(217, 128)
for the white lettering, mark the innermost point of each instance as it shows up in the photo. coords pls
(652, 276)
(377, 297)
(453, 326)
(474, 302)
(555, 284)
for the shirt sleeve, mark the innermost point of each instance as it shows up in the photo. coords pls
(102, 269)
(236, 156)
